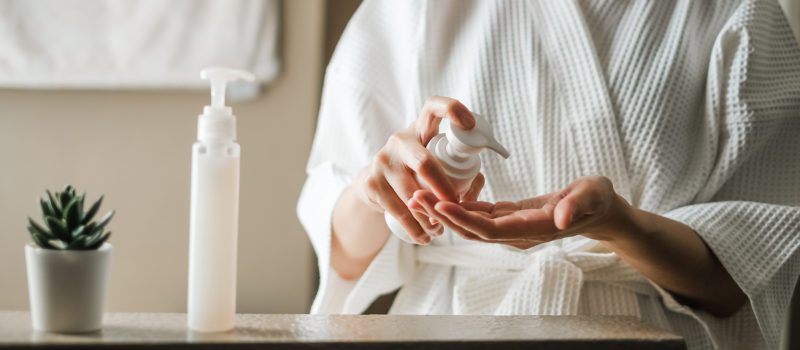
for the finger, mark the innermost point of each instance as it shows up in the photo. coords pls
(389, 200)
(438, 107)
(430, 226)
(428, 200)
(483, 208)
(530, 224)
(541, 201)
(404, 186)
(523, 244)
(428, 223)
(402, 181)
(474, 189)
(474, 223)
(415, 204)
(483, 213)
(424, 221)
(486, 207)
(425, 165)
(526, 224)
(581, 200)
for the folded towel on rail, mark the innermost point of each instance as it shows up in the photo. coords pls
(133, 44)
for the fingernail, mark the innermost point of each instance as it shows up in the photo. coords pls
(469, 122)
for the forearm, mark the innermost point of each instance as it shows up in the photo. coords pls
(359, 233)
(673, 256)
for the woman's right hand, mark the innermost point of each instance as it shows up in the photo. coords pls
(390, 181)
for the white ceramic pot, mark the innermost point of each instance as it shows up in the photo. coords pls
(67, 288)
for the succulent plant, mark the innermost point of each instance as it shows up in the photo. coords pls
(66, 225)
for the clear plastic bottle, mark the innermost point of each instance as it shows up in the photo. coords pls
(214, 217)
(457, 151)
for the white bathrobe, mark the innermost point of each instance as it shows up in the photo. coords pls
(691, 108)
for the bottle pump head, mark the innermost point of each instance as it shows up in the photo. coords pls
(217, 122)
(457, 149)
(463, 143)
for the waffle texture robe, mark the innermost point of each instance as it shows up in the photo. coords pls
(691, 108)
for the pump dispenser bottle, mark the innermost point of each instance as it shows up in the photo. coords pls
(214, 217)
(457, 151)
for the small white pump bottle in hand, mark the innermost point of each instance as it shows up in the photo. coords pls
(457, 151)
(214, 217)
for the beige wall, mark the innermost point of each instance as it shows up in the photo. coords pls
(134, 147)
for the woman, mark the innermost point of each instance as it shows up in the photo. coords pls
(655, 170)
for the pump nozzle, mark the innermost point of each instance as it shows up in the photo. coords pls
(480, 136)
(219, 78)
(217, 122)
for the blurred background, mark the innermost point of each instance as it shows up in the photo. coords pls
(131, 141)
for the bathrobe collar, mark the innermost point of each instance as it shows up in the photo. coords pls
(583, 91)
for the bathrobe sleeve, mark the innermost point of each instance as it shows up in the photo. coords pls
(749, 211)
(367, 96)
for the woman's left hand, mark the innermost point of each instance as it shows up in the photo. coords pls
(667, 252)
(588, 206)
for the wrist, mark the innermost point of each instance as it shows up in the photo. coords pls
(626, 223)
(639, 225)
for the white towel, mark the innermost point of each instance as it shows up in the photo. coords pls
(133, 44)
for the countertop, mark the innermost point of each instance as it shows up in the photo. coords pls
(168, 331)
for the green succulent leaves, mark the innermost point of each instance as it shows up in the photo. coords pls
(66, 225)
